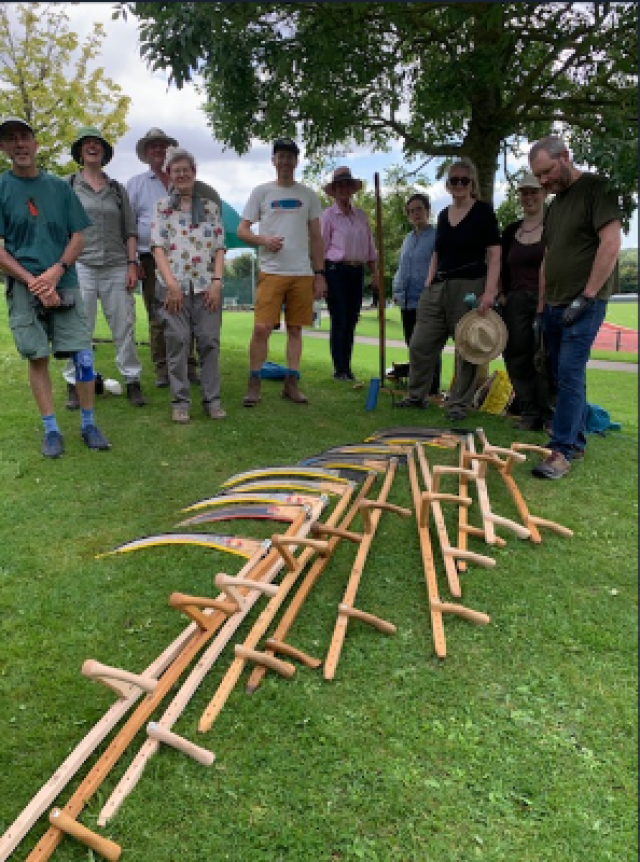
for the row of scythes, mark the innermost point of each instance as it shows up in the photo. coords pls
(296, 495)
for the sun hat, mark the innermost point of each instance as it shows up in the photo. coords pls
(287, 145)
(529, 181)
(153, 135)
(480, 338)
(341, 174)
(13, 121)
(90, 132)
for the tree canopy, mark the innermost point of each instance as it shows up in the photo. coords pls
(45, 78)
(445, 79)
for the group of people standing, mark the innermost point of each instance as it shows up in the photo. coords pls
(165, 230)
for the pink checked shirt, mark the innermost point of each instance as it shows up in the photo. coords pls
(347, 237)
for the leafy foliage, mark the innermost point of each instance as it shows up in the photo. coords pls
(447, 79)
(45, 77)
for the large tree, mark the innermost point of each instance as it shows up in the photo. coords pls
(45, 78)
(446, 79)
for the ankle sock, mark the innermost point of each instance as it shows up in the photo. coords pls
(87, 418)
(50, 424)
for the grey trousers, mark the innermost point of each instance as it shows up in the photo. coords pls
(107, 284)
(194, 321)
(440, 308)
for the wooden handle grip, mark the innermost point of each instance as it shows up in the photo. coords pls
(520, 531)
(469, 556)
(460, 611)
(284, 668)
(103, 846)
(318, 529)
(530, 447)
(388, 507)
(292, 652)
(95, 670)
(551, 525)
(479, 531)
(376, 622)
(196, 752)
(222, 581)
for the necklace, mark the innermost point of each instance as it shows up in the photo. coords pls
(531, 229)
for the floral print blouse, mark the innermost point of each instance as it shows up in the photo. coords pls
(190, 247)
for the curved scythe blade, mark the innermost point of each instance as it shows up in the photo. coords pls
(275, 472)
(269, 499)
(230, 513)
(239, 545)
(297, 485)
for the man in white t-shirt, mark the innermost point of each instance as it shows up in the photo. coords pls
(291, 265)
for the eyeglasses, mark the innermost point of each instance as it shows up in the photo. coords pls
(459, 181)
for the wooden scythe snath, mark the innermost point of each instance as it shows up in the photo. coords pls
(370, 511)
(382, 297)
(516, 455)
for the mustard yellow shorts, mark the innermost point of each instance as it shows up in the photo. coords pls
(294, 292)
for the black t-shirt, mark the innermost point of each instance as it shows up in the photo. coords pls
(462, 249)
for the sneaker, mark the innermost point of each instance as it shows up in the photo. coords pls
(134, 394)
(52, 444)
(554, 466)
(215, 411)
(180, 415)
(94, 439)
(72, 402)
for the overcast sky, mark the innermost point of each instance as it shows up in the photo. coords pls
(178, 113)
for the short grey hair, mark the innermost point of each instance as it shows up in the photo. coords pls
(174, 154)
(552, 145)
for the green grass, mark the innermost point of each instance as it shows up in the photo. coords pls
(521, 745)
(623, 314)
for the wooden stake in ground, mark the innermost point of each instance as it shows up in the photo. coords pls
(276, 642)
(160, 730)
(382, 296)
(370, 511)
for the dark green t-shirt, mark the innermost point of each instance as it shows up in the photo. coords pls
(37, 217)
(571, 237)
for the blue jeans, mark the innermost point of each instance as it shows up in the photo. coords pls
(568, 348)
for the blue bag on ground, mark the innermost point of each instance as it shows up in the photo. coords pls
(599, 421)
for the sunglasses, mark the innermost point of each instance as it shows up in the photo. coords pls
(459, 181)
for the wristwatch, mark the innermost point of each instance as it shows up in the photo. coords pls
(64, 265)
(319, 272)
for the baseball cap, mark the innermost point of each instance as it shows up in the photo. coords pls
(286, 144)
(13, 121)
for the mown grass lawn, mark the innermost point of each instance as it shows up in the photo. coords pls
(521, 745)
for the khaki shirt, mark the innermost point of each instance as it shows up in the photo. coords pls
(104, 244)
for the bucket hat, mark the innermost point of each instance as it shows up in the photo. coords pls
(90, 132)
(153, 134)
(480, 338)
(342, 174)
(529, 181)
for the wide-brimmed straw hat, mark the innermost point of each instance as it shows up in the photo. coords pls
(90, 132)
(342, 175)
(480, 338)
(153, 135)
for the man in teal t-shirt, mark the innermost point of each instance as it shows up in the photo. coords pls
(581, 239)
(41, 223)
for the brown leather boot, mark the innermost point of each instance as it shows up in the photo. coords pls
(253, 392)
(292, 392)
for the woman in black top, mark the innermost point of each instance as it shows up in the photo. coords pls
(466, 260)
(522, 254)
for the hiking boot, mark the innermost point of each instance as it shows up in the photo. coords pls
(52, 444)
(72, 402)
(134, 394)
(253, 392)
(554, 466)
(215, 411)
(180, 415)
(291, 391)
(94, 439)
